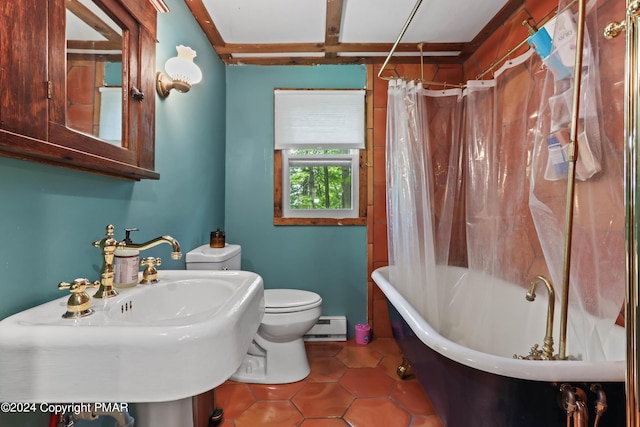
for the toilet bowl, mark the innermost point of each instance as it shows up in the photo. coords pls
(277, 354)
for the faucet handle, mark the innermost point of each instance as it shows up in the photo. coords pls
(150, 274)
(78, 285)
(78, 304)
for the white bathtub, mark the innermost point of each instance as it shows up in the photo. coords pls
(466, 364)
(512, 327)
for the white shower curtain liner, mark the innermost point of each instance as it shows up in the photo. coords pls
(412, 238)
(475, 167)
(597, 250)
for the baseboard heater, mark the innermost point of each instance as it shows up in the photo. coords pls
(328, 328)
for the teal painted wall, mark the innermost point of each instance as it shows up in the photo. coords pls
(113, 74)
(49, 215)
(329, 260)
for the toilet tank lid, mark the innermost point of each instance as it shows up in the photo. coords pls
(205, 253)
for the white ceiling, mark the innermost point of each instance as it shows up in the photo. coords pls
(268, 28)
(273, 21)
(321, 31)
(437, 21)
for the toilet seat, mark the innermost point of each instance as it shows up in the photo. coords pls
(289, 300)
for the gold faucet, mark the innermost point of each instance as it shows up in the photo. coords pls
(108, 246)
(547, 345)
(150, 273)
(79, 303)
(176, 254)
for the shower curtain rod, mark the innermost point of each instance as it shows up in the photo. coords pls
(445, 84)
(519, 45)
(400, 36)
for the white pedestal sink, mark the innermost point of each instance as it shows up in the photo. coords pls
(163, 342)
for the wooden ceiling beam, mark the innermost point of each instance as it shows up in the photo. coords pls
(91, 19)
(341, 47)
(402, 47)
(205, 21)
(333, 25)
(331, 46)
(271, 48)
(308, 60)
(94, 45)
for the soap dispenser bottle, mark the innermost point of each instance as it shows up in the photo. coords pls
(126, 263)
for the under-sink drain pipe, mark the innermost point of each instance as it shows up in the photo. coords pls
(121, 417)
(60, 420)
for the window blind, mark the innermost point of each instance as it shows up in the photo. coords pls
(324, 119)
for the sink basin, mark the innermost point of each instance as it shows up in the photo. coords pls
(178, 338)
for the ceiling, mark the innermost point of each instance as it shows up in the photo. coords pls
(286, 32)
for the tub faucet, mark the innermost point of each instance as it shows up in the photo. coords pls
(547, 346)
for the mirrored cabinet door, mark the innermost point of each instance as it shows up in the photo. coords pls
(78, 84)
(94, 43)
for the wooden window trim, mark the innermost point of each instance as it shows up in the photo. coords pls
(277, 197)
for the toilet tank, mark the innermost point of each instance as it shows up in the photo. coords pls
(207, 258)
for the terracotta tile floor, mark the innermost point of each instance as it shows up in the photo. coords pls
(349, 385)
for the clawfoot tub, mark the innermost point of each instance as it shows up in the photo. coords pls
(467, 367)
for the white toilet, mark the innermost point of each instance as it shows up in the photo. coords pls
(277, 354)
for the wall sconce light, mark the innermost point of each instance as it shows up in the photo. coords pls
(181, 73)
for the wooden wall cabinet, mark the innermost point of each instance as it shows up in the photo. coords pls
(33, 88)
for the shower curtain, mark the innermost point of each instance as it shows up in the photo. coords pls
(421, 187)
(478, 179)
(597, 267)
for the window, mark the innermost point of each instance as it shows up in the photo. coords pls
(320, 183)
(319, 172)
